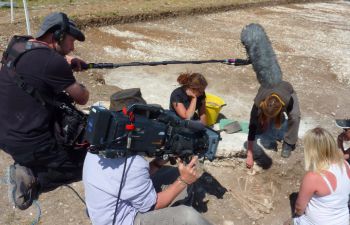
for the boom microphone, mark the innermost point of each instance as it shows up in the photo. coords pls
(236, 62)
(261, 54)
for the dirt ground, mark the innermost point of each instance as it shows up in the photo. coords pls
(311, 42)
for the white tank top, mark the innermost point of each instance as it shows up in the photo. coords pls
(330, 209)
(346, 145)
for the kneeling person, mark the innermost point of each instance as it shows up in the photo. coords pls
(29, 77)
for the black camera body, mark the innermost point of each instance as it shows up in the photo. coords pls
(148, 129)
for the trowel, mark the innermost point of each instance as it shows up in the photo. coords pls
(231, 127)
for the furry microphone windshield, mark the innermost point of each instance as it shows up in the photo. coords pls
(261, 54)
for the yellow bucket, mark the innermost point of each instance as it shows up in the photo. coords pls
(213, 105)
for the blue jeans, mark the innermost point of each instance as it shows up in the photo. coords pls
(267, 140)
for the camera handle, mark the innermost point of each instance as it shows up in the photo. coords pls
(186, 157)
(143, 107)
(128, 140)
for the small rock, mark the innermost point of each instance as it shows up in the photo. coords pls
(228, 222)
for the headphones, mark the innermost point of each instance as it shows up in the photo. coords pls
(59, 34)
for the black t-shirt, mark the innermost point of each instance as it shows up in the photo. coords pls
(23, 120)
(179, 96)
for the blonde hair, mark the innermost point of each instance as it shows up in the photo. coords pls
(192, 80)
(320, 150)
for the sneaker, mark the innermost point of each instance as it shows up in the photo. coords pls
(22, 186)
(287, 149)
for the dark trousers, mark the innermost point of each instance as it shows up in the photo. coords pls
(53, 164)
(178, 213)
(165, 177)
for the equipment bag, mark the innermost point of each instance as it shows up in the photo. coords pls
(69, 122)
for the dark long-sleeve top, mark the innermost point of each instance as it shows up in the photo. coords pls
(284, 90)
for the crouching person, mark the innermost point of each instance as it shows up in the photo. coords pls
(123, 191)
(34, 73)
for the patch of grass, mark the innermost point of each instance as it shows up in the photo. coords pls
(135, 5)
(107, 12)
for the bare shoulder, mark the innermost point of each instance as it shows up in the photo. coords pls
(310, 180)
(312, 176)
(314, 182)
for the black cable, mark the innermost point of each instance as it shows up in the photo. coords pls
(120, 191)
(75, 193)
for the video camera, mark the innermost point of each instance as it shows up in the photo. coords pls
(148, 129)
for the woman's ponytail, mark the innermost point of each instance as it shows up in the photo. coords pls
(183, 79)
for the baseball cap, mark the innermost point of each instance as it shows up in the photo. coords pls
(57, 18)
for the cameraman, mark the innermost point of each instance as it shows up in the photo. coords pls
(138, 202)
(34, 71)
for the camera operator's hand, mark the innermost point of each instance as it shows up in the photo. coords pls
(188, 173)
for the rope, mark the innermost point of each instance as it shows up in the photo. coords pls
(38, 214)
(36, 203)
(4, 180)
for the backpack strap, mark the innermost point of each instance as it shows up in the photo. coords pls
(29, 89)
(18, 46)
